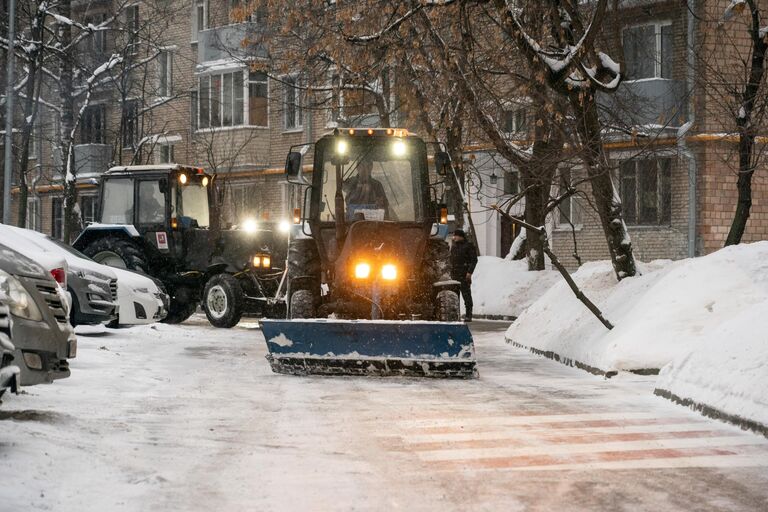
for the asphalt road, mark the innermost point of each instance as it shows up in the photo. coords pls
(191, 418)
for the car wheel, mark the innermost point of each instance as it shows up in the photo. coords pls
(223, 301)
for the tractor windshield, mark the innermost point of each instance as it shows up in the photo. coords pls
(382, 179)
(192, 199)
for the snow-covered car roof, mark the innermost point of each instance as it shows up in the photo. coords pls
(57, 249)
(12, 238)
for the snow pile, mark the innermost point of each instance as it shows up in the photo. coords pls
(658, 316)
(703, 320)
(728, 369)
(507, 288)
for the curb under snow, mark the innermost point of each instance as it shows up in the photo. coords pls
(714, 413)
(574, 363)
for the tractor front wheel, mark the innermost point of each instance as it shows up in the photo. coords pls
(302, 304)
(223, 301)
(448, 306)
(178, 311)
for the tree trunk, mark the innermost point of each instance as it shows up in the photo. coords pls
(66, 137)
(747, 130)
(606, 196)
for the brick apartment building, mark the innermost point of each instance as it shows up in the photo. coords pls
(678, 192)
(206, 106)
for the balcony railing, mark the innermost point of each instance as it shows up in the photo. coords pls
(227, 42)
(654, 103)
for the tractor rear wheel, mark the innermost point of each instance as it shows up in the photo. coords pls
(302, 304)
(117, 252)
(223, 301)
(448, 306)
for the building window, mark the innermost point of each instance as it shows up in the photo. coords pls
(514, 121)
(97, 42)
(221, 101)
(511, 182)
(648, 51)
(646, 191)
(258, 95)
(33, 213)
(93, 125)
(130, 123)
(165, 83)
(193, 109)
(89, 207)
(200, 18)
(292, 104)
(568, 210)
(132, 28)
(57, 216)
(166, 154)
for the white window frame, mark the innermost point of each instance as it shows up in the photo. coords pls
(165, 60)
(196, 125)
(657, 28)
(166, 147)
(33, 213)
(196, 29)
(298, 112)
(129, 22)
(575, 215)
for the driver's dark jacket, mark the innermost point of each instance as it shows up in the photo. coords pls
(463, 259)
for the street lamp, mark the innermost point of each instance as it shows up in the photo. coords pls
(494, 178)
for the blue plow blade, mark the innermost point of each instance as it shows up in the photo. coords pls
(370, 347)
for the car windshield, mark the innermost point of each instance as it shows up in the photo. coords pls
(193, 201)
(382, 179)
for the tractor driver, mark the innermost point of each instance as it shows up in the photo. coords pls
(365, 192)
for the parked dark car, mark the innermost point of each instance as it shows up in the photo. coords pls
(39, 319)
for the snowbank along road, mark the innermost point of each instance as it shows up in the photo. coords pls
(191, 418)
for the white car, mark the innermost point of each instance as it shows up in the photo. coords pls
(139, 299)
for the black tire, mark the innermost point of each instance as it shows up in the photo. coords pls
(302, 304)
(303, 287)
(436, 257)
(105, 249)
(448, 306)
(75, 307)
(223, 301)
(179, 311)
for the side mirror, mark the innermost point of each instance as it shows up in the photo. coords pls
(293, 164)
(442, 163)
(163, 185)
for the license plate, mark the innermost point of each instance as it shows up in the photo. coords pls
(72, 348)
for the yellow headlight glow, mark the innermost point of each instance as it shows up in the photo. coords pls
(341, 147)
(362, 270)
(389, 272)
(266, 261)
(398, 148)
(205, 181)
(183, 179)
(257, 261)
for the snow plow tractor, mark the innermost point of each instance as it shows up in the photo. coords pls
(368, 287)
(157, 220)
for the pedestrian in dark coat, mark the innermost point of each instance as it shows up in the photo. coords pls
(463, 262)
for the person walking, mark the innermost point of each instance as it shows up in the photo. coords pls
(463, 262)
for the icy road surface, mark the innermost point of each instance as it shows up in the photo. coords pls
(188, 418)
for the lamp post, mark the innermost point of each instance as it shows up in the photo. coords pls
(8, 166)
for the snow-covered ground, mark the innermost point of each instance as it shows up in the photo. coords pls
(702, 320)
(506, 288)
(189, 418)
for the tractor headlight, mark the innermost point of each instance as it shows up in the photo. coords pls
(266, 261)
(284, 226)
(257, 261)
(389, 272)
(249, 225)
(362, 270)
(183, 179)
(398, 148)
(20, 302)
(342, 147)
(205, 181)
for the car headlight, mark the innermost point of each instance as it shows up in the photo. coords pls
(20, 302)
